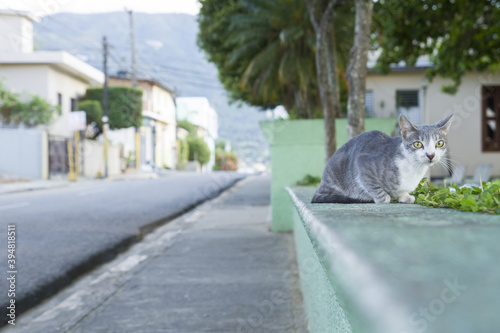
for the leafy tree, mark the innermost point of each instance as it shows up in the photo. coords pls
(187, 126)
(37, 111)
(458, 35)
(125, 105)
(93, 111)
(198, 150)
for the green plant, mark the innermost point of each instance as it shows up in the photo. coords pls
(309, 180)
(187, 126)
(183, 152)
(37, 111)
(93, 110)
(125, 105)
(227, 161)
(483, 199)
(198, 150)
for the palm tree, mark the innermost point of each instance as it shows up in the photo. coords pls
(276, 42)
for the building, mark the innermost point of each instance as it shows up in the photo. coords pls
(56, 76)
(158, 133)
(474, 137)
(197, 111)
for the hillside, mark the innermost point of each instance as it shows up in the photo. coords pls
(166, 51)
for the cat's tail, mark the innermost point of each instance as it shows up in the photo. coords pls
(335, 198)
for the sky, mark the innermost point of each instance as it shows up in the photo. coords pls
(47, 7)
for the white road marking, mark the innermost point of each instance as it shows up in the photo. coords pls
(14, 206)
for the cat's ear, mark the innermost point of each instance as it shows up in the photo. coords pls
(406, 126)
(444, 124)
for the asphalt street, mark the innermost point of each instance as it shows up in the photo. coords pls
(63, 233)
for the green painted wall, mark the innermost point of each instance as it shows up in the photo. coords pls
(323, 309)
(297, 149)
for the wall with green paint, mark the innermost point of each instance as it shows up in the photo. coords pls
(297, 149)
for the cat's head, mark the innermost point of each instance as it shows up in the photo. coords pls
(425, 144)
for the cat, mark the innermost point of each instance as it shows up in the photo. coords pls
(373, 167)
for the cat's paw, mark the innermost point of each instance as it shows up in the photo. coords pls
(383, 200)
(406, 198)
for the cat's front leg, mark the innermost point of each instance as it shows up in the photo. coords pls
(406, 198)
(382, 198)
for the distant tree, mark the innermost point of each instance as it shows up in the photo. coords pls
(198, 150)
(125, 105)
(458, 35)
(183, 152)
(36, 111)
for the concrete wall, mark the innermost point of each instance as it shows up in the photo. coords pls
(24, 152)
(465, 137)
(94, 159)
(297, 149)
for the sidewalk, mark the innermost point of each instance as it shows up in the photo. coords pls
(215, 269)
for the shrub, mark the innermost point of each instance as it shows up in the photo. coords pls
(187, 126)
(94, 112)
(36, 111)
(183, 152)
(198, 150)
(225, 161)
(125, 105)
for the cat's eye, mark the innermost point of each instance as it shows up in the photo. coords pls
(440, 144)
(417, 144)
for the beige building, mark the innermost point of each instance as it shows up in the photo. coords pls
(158, 133)
(474, 137)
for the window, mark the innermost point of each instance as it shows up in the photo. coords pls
(491, 118)
(74, 104)
(369, 104)
(59, 100)
(407, 104)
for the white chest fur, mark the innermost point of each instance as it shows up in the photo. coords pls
(410, 174)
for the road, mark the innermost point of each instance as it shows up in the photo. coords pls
(63, 233)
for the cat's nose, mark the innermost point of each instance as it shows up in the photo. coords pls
(430, 156)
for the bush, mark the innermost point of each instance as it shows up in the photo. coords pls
(125, 105)
(187, 126)
(94, 112)
(35, 112)
(198, 150)
(225, 161)
(309, 180)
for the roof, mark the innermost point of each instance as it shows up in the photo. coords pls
(19, 13)
(423, 62)
(59, 59)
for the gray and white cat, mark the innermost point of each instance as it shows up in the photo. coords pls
(373, 167)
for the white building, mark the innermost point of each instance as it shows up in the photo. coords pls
(197, 111)
(474, 137)
(56, 76)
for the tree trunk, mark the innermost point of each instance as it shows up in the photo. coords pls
(356, 70)
(326, 69)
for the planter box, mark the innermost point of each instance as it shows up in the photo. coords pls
(298, 149)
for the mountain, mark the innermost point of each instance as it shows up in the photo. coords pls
(167, 52)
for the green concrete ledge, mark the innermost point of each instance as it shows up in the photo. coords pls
(396, 268)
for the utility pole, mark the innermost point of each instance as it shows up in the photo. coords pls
(105, 107)
(132, 47)
(134, 84)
